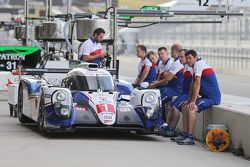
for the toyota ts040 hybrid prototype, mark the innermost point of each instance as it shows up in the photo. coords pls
(88, 97)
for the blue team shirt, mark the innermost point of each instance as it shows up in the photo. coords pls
(187, 79)
(91, 47)
(177, 69)
(209, 85)
(152, 72)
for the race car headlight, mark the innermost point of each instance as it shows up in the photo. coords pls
(150, 102)
(57, 105)
(62, 103)
(64, 112)
(60, 96)
(149, 113)
(149, 99)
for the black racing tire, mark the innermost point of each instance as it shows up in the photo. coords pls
(41, 117)
(15, 111)
(11, 109)
(22, 118)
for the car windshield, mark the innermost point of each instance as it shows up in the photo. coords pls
(95, 82)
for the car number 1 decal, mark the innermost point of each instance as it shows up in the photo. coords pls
(105, 108)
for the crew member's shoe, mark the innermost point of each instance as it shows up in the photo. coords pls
(180, 137)
(189, 140)
(170, 133)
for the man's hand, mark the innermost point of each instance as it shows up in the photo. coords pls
(135, 85)
(152, 85)
(191, 106)
(102, 55)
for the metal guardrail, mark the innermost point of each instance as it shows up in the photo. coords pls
(223, 45)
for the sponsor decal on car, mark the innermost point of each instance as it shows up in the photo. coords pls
(107, 121)
(103, 98)
(124, 109)
(105, 108)
(109, 117)
(79, 108)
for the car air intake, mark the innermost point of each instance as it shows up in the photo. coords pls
(88, 65)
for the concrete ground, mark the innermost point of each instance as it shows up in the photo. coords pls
(23, 146)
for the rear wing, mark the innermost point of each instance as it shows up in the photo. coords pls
(41, 71)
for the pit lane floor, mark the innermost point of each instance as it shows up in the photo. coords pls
(23, 146)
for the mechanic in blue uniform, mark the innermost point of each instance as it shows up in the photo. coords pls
(170, 84)
(165, 65)
(174, 109)
(91, 49)
(146, 73)
(156, 62)
(204, 83)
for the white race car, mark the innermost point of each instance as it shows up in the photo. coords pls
(89, 97)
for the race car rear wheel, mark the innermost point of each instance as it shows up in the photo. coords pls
(22, 118)
(15, 111)
(11, 109)
(41, 117)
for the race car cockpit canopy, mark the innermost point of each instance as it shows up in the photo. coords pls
(91, 82)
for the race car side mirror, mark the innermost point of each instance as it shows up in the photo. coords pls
(125, 98)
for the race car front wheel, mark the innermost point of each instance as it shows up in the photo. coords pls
(41, 117)
(11, 109)
(22, 118)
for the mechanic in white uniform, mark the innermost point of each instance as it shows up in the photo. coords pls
(91, 49)
(146, 72)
